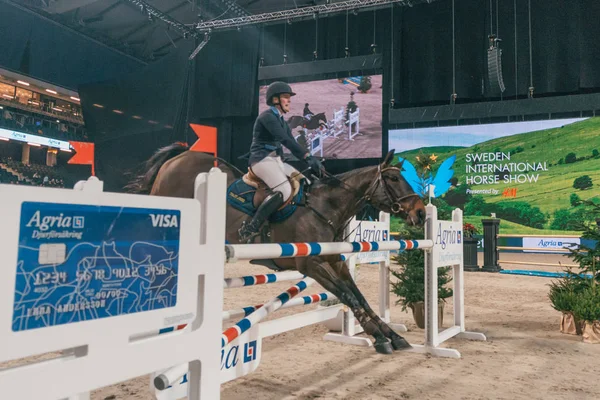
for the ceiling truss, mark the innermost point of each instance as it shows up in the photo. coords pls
(312, 11)
(213, 15)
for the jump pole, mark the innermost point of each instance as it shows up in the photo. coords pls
(174, 374)
(238, 252)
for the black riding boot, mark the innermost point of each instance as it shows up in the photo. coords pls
(271, 204)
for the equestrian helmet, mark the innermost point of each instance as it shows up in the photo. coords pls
(276, 89)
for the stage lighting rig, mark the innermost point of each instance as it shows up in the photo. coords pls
(299, 13)
(154, 13)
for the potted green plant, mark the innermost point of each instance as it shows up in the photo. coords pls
(586, 308)
(410, 285)
(584, 304)
(470, 247)
(563, 296)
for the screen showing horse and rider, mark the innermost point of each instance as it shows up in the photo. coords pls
(336, 118)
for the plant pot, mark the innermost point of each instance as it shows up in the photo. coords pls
(591, 332)
(470, 254)
(418, 310)
(570, 325)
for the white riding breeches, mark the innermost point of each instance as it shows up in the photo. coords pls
(274, 172)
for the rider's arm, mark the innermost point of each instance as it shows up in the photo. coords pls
(279, 132)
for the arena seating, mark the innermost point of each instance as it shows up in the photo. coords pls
(34, 174)
(32, 123)
(7, 177)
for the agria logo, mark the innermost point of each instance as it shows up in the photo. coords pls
(44, 223)
(232, 357)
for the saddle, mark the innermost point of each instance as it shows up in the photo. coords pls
(262, 190)
(247, 194)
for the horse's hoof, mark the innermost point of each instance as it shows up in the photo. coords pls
(400, 343)
(384, 347)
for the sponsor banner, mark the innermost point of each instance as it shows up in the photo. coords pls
(79, 263)
(27, 137)
(546, 244)
(448, 244)
(239, 358)
(534, 176)
(369, 231)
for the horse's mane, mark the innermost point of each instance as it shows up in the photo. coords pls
(336, 180)
(143, 181)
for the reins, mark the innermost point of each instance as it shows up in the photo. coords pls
(396, 205)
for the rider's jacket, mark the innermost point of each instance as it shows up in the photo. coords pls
(269, 133)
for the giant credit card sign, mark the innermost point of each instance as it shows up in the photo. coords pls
(79, 263)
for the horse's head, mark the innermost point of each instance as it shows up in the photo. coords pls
(391, 193)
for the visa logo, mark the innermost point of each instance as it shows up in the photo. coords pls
(164, 221)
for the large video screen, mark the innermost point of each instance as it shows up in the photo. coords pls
(336, 118)
(533, 175)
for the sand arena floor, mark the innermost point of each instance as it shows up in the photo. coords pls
(525, 357)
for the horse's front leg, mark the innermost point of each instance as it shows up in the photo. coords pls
(321, 270)
(398, 342)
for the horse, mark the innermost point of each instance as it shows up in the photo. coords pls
(334, 200)
(314, 122)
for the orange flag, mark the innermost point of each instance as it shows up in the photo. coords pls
(207, 139)
(84, 154)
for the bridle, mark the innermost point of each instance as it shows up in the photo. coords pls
(367, 197)
(396, 205)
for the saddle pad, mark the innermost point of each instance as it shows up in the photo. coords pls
(240, 196)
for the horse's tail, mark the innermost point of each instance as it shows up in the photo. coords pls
(142, 183)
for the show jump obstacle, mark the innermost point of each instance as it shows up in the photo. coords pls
(121, 285)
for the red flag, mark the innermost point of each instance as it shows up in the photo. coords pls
(84, 154)
(207, 139)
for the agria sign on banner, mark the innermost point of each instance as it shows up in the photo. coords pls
(549, 244)
(239, 358)
(233, 356)
(447, 243)
(369, 231)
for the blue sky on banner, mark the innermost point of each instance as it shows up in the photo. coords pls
(467, 135)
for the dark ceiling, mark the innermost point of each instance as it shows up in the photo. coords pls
(124, 26)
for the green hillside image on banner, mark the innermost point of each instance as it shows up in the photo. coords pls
(531, 175)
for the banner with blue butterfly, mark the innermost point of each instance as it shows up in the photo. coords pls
(532, 175)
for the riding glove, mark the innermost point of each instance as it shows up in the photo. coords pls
(315, 165)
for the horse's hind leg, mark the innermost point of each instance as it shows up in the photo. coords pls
(322, 272)
(398, 342)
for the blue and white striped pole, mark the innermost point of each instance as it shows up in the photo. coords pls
(236, 252)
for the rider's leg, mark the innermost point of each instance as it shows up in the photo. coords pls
(287, 169)
(270, 171)
(273, 172)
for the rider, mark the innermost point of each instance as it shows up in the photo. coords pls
(270, 132)
(306, 112)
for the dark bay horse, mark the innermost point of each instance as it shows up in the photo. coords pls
(334, 200)
(316, 121)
